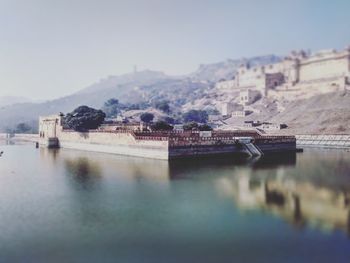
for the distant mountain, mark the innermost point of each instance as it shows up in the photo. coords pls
(131, 79)
(9, 100)
(130, 88)
(226, 69)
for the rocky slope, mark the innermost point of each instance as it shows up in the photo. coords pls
(322, 114)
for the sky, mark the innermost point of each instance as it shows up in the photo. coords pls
(52, 48)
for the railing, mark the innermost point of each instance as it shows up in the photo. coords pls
(335, 141)
(189, 137)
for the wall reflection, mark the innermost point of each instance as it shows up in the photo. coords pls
(183, 168)
(300, 203)
(84, 171)
(311, 190)
(85, 166)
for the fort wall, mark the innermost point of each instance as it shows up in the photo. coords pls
(328, 66)
(159, 145)
(116, 143)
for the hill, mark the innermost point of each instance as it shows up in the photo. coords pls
(322, 114)
(10, 100)
(133, 88)
(226, 69)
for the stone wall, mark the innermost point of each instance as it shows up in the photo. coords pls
(226, 84)
(329, 66)
(248, 96)
(116, 143)
(49, 125)
(324, 66)
(254, 78)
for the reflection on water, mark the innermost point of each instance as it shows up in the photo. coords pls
(85, 172)
(207, 210)
(303, 202)
(300, 203)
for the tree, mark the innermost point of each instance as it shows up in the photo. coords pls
(23, 128)
(169, 120)
(190, 126)
(205, 127)
(161, 126)
(147, 117)
(196, 116)
(136, 106)
(195, 126)
(163, 106)
(84, 118)
(111, 107)
(212, 111)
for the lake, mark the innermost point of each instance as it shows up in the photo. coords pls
(72, 206)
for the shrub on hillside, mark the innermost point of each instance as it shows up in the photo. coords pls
(196, 116)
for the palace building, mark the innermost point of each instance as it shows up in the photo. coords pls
(326, 66)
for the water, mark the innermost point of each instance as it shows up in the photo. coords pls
(72, 206)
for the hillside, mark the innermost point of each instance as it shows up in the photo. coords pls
(149, 87)
(322, 114)
(10, 100)
(226, 69)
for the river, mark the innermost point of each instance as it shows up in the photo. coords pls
(72, 206)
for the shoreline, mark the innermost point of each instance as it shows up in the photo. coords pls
(313, 141)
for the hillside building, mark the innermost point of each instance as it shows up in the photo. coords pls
(248, 96)
(229, 107)
(329, 67)
(226, 84)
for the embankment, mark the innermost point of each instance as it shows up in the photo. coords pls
(327, 141)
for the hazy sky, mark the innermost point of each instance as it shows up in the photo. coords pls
(51, 48)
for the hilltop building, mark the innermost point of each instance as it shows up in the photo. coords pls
(329, 67)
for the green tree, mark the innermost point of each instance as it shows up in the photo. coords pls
(196, 116)
(111, 107)
(161, 126)
(190, 126)
(205, 127)
(147, 117)
(84, 118)
(169, 120)
(163, 106)
(23, 128)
